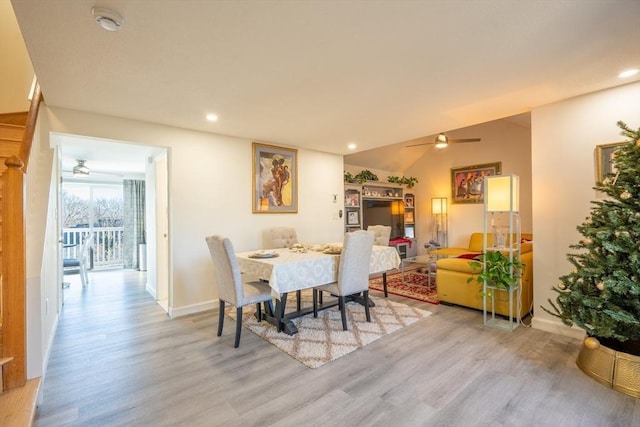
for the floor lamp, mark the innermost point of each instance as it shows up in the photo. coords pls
(439, 220)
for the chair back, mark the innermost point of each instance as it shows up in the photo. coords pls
(226, 268)
(382, 234)
(281, 237)
(80, 259)
(353, 270)
(84, 250)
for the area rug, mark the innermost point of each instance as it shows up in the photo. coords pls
(321, 340)
(415, 286)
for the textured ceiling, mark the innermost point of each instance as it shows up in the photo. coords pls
(321, 74)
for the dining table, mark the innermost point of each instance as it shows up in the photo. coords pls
(298, 268)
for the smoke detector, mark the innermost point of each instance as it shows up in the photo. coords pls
(107, 19)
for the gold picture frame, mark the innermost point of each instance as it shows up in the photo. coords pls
(275, 179)
(467, 182)
(604, 155)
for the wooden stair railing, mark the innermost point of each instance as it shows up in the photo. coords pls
(13, 275)
(13, 256)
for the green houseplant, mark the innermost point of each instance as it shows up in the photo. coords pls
(408, 181)
(497, 270)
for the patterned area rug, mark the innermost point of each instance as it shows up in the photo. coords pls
(415, 286)
(322, 340)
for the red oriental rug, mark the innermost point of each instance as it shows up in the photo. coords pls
(415, 286)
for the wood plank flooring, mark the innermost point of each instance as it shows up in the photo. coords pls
(118, 360)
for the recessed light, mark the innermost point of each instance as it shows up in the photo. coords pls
(351, 146)
(628, 73)
(212, 117)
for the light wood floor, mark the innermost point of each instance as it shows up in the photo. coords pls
(118, 360)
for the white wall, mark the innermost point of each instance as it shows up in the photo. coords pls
(210, 193)
(564, 136)
(16, 72)
(42, 272)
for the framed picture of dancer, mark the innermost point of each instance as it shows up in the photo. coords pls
(275, 179)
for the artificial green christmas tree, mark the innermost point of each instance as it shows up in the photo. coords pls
(602, 294)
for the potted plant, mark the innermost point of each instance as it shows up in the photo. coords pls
(408, 181)
(365, 175)
(498, 270)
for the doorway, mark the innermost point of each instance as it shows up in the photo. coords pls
(110, 164)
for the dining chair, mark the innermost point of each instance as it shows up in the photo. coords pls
(382, 234)
(353, 273)
(79, 263)
(231, 287)
(283, 237)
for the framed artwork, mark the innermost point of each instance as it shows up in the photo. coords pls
(467, 183)
(353, 218)
(352, 200)
(408, 201)
(275, 179)
(408, 217)
(604, 155)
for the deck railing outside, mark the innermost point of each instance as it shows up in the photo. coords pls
(106, 250)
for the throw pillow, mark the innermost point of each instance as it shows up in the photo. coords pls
(469, 256)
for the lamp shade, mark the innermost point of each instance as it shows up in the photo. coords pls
(502, 193)
(397, 207)
(439, 205)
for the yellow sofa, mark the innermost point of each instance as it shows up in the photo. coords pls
(454, 270)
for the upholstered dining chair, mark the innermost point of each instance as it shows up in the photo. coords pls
(382, 234)
(283, 237)
(353, 273)
(79, 263)
(231, 287)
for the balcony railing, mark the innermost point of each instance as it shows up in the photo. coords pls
(106, 250)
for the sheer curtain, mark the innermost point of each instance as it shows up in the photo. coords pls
(134, 226)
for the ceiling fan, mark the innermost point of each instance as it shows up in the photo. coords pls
(443, 141)
(80, 169)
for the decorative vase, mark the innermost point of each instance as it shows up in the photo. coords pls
(613, 368)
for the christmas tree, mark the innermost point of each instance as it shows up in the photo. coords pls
(602, 293)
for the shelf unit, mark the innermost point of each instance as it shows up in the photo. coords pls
(409, 215)
(502, 233)
(381, 191)
(352, 207)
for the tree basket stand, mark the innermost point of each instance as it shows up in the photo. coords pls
(615, 369)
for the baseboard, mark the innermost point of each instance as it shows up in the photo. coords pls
(557, 327)
(193, 309)
(47, 355)
(151, 290)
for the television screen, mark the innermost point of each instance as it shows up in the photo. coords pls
(378, 212)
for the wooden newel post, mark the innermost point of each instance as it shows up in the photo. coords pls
(13, 273)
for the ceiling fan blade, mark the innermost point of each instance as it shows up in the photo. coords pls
(417, 145)
(465, 140)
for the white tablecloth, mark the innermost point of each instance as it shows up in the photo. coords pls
(292, 271)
